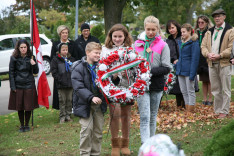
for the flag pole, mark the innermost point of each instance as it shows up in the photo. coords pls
(32, 50)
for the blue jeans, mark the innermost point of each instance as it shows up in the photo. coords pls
(148, 105)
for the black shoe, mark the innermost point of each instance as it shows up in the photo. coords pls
(21, 129)
(26, 128)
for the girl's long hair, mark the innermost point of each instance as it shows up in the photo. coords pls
(16, 52)
(206, 19)
(118, 27)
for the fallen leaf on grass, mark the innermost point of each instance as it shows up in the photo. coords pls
(46, 142)
(184, 136)
(62, 142)
(19, 150)
(104, 132)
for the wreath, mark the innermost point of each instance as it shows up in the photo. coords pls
(123, 59)
(170, 81)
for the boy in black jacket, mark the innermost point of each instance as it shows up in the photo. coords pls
(91, 105)
(60, 68)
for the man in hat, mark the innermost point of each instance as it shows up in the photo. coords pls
(216, 47)
(83, 40)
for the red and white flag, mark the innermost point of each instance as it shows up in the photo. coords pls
(43, 89)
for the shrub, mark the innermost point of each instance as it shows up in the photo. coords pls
(222, 142)
(97, 31)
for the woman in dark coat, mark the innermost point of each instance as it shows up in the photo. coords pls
(203, 23)
(22, 83)
(63, 32)
(173, 28)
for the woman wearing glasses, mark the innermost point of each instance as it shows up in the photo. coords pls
(203, 23)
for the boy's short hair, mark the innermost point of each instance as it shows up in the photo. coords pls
(92, 46)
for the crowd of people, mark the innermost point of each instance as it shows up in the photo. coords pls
(206, 50)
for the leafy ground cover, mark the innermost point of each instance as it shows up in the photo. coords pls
(192, 132)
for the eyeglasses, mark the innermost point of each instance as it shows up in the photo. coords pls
(200, 22)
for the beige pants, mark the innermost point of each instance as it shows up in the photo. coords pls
(65, 102)
(91, 132)
(220, 79)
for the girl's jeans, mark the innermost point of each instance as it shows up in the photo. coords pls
(148, 105)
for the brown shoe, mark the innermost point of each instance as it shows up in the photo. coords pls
(124, 146)
(115, 147)
(221, 116)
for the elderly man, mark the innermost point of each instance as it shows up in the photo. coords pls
(83, 40)
(216, 47)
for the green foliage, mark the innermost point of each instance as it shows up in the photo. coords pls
(98, 31)
(227, 6)
(222, 142)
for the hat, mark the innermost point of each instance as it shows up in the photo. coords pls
(219, 11)
(84, 26)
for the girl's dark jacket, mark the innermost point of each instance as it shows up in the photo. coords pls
(20, 72)
(82, 85)
(203, 65)
(174, 54)
(174, 48)
(61, 76)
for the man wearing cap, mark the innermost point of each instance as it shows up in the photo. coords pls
(83, 40)
(216, 47)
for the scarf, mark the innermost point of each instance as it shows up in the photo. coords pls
(68, 63)
(216, 34)
(93, 74)
(200, 36)
(147, 40)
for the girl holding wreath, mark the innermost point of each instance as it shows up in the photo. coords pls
(156, 51)
(119, 38)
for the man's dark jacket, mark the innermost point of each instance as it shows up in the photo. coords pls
(80, 44)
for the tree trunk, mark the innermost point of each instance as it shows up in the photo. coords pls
(113, 12)
(190, 13)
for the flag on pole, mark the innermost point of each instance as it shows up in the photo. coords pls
(43, 89)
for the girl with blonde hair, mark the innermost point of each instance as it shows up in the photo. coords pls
(151, 46)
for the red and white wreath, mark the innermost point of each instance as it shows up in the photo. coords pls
(122, 60)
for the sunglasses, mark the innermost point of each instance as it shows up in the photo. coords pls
(200, 22)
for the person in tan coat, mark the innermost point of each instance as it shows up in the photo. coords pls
(216, 47)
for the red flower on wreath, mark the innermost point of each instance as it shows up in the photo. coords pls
(130, 48)
(141, 65)
(100, 62)
(111, 58)
(112, 91)
(143, 70)
(165, 88)
(137, 85)
(116, 57)
(169, 80)
(170, 75)
(123, 96)
(100, 73)
(107, 62)
(142, 93)
(105, 83)
(141, 81)
(134, 92)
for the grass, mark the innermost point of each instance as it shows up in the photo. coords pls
(4, 77)
(51, 138)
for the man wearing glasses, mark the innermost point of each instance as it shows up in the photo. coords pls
(83, 40)
(216, 47)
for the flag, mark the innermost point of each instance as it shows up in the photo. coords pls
(43, 89)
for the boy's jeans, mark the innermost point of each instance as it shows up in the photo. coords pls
(148, 105)
(91, 132)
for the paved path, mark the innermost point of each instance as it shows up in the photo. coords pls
(5, 92)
